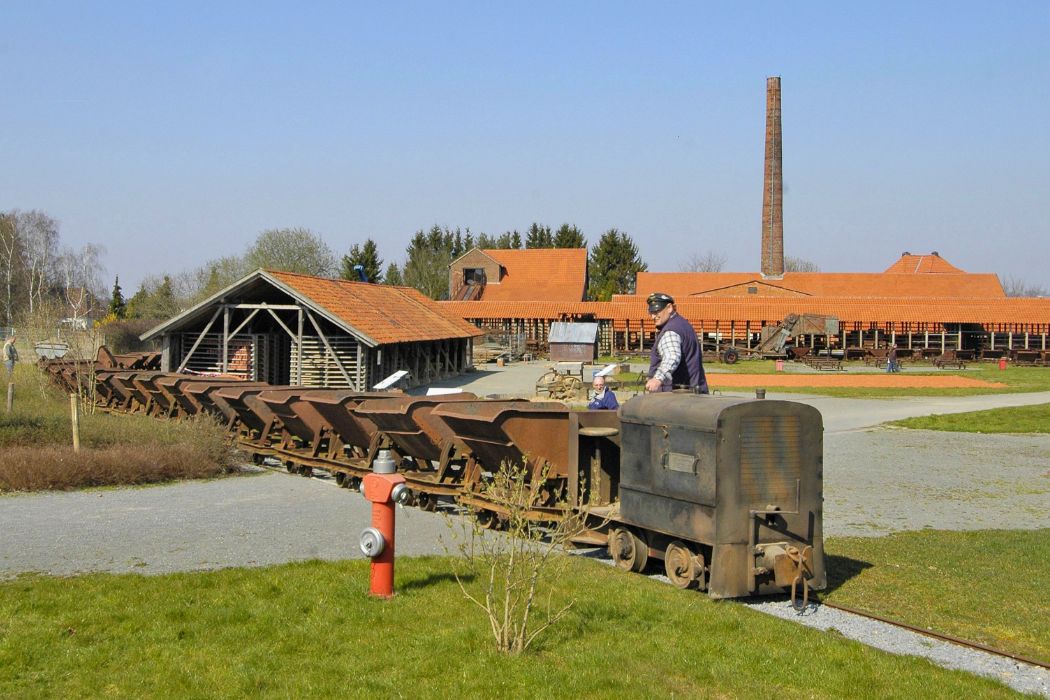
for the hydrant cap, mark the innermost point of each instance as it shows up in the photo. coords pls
(372, 542)
(383, 464)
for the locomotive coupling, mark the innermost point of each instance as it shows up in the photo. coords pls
(786, 562)
(384, 488)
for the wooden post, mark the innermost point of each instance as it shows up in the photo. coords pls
(74, 407)
(10, 396)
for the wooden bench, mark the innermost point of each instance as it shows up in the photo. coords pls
(824, 363)
(950, 358)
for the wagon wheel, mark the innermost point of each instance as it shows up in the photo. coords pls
(340, 480)
(426, 501)
(487, 519)
(289, 467)
(571, 387)
(682, 567)
(353, 483)
(547, 381)
(628, 550)
(730, 356)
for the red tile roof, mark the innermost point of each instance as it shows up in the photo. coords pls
(839, 284)
(539, 274)
(917, 264)
(380, 312)
(708, 312)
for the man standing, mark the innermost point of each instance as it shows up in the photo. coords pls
(676, 361)
(10, 356)
(604, 399)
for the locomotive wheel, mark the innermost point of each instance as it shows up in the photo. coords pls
(681, 566)
(628, 550)
(426, 502)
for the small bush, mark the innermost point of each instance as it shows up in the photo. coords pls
(34, 469)
(36, 440)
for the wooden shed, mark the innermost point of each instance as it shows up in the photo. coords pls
(575, 342)
(287, 328)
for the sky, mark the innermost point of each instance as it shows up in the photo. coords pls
(175, 133)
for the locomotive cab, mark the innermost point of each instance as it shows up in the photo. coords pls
(727, 490)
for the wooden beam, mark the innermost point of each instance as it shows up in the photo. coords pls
(245, 323)
(281, 324)
(335, 358)
(200, 337)
(278, 307)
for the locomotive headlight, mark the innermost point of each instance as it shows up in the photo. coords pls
(372, 542)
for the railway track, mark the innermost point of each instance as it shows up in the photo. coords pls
(944, 637)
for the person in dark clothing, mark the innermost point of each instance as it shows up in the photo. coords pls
(604, 399)
(676, 360)
(891, 359)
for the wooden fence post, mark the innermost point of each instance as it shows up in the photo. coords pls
(10, 396)
(74, 407)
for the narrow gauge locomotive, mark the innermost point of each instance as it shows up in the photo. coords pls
(727, 492)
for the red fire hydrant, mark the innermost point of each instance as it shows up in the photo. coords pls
(1002, 363)
(384, 488)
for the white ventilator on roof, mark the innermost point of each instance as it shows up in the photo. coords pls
(391, 380)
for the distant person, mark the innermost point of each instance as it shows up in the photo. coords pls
(891, 359)
(676, 361)
(10, 355)
(604, 398)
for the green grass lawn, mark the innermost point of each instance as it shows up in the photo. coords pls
(309, 630)
(1015, 419)
(985, 585)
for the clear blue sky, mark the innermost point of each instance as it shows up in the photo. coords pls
(173, 134)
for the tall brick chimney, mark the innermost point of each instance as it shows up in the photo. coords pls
(773, 192)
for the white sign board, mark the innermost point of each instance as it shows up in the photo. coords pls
(391, 380)
(441, 391)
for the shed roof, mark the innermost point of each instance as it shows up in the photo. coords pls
(561, 332)
(539, 274)
(377, 314)
(956, 285)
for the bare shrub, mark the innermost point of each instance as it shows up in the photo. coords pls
(519, 568)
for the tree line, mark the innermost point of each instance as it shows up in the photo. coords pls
(37, 272)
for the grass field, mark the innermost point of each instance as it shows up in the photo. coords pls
(36, 439)
(983, 585)
(309, 630)
(1016, 419)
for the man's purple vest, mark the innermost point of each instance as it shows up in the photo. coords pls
(690, 371)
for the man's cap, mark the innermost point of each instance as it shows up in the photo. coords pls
(657, 301)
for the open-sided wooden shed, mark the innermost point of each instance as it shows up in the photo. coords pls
(287, 328)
